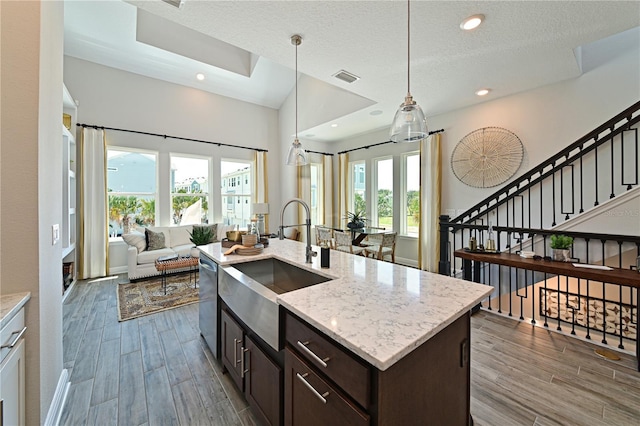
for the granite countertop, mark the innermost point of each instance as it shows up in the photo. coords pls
(379, 310)
(10, 304)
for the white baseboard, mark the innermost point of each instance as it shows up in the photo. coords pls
(59, 399)
(407, 262)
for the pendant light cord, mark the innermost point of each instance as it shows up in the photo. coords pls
(297, 43)
(408, 46)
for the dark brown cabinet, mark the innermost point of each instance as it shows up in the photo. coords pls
(252, 370)
(312, 401)
(326, 383)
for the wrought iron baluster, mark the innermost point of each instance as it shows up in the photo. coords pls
(553, 198)
(612, 166)
(544, 248)
(604, 298)
(620, 345)
(595, 175)
(510, 292)
(622, 144)
(559, 328)
(588, 336)
(581, 186)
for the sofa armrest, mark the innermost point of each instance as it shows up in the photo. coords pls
(132, 258)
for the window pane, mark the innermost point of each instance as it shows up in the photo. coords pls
(131, 187)
(189, 176)
(358, 187)
(385, 193)
(413, 195)
(236, 192)
(317, 194)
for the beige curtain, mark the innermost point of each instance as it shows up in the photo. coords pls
(261, 185)
(93, 235)
(343, 190)
(430, 199)
(303, 174)
(327, 185)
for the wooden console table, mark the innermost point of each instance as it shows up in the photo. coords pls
(471, 263)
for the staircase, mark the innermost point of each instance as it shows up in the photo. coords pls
(589, 191)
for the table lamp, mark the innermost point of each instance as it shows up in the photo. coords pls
(260, 209)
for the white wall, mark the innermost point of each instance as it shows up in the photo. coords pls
(545, 119)
(31, 170)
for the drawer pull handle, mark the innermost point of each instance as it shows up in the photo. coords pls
(322, 362)
(15, 339)
(235, 351)
(242, 369)
(322, 397)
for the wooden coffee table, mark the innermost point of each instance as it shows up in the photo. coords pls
(171, 263)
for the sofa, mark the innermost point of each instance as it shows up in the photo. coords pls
(141, 256)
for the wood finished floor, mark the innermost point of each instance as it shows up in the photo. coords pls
(156, 370)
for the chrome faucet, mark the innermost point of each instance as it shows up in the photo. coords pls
(309, 253)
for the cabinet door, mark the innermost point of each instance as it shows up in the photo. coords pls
(12, 386)
(311, 401)
(263, 384)
(231, 347)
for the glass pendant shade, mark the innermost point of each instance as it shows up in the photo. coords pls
(409, 123)
(297, 156)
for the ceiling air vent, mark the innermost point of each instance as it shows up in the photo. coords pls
(176, 3)
(346, 76)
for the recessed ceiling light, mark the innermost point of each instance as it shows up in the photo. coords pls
(334, 125)
(200, 76)
(483, 92)
(472, 22)
(376, 112)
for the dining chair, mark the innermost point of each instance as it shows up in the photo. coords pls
(375, 239)
(291, 234)
(343, 243)
(325, 235)
(387, 247)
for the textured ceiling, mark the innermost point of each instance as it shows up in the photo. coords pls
(520, 46)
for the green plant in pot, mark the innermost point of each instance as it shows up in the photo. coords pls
(201, 235)
(356, 219)
(561, 245)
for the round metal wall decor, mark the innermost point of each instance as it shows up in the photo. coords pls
(487, 157)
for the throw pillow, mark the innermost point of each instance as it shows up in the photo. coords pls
(136, 239)
(214, 231)
(155, 240)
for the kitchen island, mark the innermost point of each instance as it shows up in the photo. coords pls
(398, 340)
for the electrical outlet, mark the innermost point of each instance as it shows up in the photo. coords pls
(55, 234)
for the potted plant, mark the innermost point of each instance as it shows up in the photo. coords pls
(201, 235)
(356, 219)
(560, 245)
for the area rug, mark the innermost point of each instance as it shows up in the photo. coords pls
(147, 297)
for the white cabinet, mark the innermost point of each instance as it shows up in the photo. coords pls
(68, 229)
(12, 390)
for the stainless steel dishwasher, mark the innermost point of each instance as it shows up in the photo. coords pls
(209, 315)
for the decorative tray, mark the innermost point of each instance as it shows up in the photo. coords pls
(228, 244)
(468, 250)
(249, 251)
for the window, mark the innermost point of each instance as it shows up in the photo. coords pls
(411, 204)
(358, 187)
(235, 212)
(383, 210)
(189, 190)
(131, 187)
(317, 193)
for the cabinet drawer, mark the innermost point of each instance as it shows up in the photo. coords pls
(10, 331)
(311, 401)
(350, 374)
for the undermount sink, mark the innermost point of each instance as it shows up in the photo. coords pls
(278, 276)
(250, 290)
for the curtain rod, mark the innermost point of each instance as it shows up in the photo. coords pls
(93, 126)
(382, 143)
(321, 153)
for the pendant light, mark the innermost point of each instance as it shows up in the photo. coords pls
(409, 123)
(297, 156)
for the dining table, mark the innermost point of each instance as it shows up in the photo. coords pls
(358, 234)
